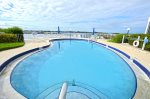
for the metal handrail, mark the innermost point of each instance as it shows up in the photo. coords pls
(50, 91)
(63, 91)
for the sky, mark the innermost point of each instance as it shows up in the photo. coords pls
(76, 15)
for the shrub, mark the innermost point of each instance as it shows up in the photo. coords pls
(131, 38)
(14, 30)
(118, 38)
(147, 47)
(1, 30)
(5, 38)
(142, 36)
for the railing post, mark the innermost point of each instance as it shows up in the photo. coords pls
(123, 39)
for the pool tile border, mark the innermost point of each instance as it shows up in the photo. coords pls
(146, 71)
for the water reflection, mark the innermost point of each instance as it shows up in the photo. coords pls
(58, 45)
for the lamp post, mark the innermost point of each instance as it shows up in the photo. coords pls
(128, 30)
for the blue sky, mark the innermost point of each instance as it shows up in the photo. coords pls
(83, 15)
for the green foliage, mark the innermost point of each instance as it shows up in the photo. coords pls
(142, 36)
(5, 46)
(5, 38)
(11, 38)
(118, 38)
(116, 33)
(131, 38)
(14, 30)
(147, 47)
(1, 30)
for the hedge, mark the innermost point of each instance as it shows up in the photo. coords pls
(130, 39)
(6, 38)
(142, 36)
(118, 38)
(13, 30)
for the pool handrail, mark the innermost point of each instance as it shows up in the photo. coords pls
(63, 92)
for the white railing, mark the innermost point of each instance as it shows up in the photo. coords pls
(66, 35)
(50, 36)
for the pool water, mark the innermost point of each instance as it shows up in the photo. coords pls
(90, 68)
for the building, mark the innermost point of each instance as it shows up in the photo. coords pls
(147, 31)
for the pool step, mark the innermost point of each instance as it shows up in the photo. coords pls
(72, 90)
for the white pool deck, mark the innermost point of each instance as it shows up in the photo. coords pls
(143, 82)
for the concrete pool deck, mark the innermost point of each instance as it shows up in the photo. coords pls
(30, 44)
(143, 86)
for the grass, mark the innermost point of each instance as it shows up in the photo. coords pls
(6, 46)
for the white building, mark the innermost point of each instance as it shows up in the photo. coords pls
(148, 27)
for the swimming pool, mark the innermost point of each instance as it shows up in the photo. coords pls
(91, 70)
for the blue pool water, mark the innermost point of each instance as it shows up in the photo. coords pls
(93, 68)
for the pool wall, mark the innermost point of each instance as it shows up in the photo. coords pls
(146, 71)
(138, 64)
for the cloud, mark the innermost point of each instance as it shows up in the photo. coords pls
(104, 15)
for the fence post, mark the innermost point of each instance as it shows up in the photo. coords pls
(123, 39)
(144, 43)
